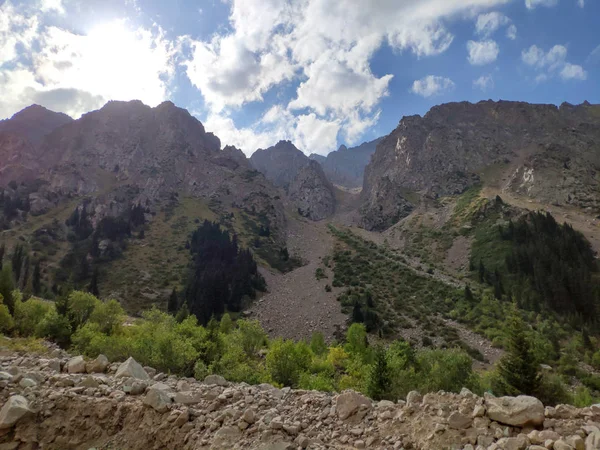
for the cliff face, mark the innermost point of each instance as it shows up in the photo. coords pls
(345, 167)
(312, 192)
(280, 163)
(544, 152)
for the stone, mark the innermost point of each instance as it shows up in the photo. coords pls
(188, 398)
(515, 411)
(98, 365)
(576, 442)
(349, 402)
(249, 416)
(158, 398)
(459, 421)
(226, 438)
(215, 379)
(561, 445)
(14, 410)
(414, 397)
(360, 444)
(54, 364)
(592, 442)
(27, 382)
(76, 365)
(89, 382)
(131, 369)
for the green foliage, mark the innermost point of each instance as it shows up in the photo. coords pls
(286, 361)
(29, 314)
(583, 397)
(320, 273)
(80, 307)
(317, 343)
(226, 324)
(380, 380)
(356, 341)
(518, 369)
(6, 287)
(447, 370)
(6, 321)
(55, 327)
(108, 316)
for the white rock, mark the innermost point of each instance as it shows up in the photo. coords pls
(593, 441)
(515, 411)
(158, 398)
(98, 365)
(349, 402)
(131, 369)
(13, 410)
(215, 379)
(414, 397)
(76, 365)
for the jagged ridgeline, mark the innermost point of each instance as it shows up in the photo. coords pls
(542, 264)
(222, 276)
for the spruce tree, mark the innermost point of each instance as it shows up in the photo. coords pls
(37, 279)
(379, 385)
(93, 287)
(2, 252)
(173, 303)
(6, 288)
(518, 369)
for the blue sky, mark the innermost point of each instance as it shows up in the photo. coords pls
(318, 72)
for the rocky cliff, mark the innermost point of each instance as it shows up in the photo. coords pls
(537, 151)
(312, 192)
(345, 167)
(280, 164)
(63, 402)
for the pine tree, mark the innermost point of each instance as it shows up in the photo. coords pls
(2, 252)
(17, 261)
(173, 303)
(25, 277)
(481, 271)
(469, 294)
(518, 369)
(182, 314)
(6, 288)
(357, 314)
(93, 287)
(37, 279)
(379, 384)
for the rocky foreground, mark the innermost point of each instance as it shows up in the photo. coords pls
(64, 402)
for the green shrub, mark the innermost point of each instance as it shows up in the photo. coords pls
(286, 361)
(6, 321)
(54, 327)
(29, 314)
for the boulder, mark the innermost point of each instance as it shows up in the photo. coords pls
(13, 410)
(414, 397)
(158, 398)
(518, 411)
(131, 369)
(215, 379)
(76, 365)
(593, 441)
(98, 365)
(349, 403)
(459, 421)
(188, 398)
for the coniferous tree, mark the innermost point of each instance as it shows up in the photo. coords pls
(173, 303)
(481, 271)
(357, 314)
(36, 283)
(17, 261)
(518, 369)
(25, 277)
(380, 383)
(2, 252)
(6, 288)
(468, 294)
(93, 287)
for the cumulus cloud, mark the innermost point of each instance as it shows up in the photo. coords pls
(551, 62)
(532, 4)
(431, 85)
(581, 3)
(52, 6)
(573, 72)
(488, 23)
(594, 56)
(484, 82)
(325, 46)
(511, 32)
(482, 52)
(74, 73)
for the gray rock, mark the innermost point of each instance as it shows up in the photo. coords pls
(515, 411)
(98, 365)
(131, 369)
(349, 402)
(158, 398)
(13, 410)
(76, 365)
(414, 397)
(459, 421)
(215, 379)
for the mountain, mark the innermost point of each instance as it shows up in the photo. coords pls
(302, 178)
(541, 152)
(312, 192)
(345, 167)
(98, 182)
(280, 163)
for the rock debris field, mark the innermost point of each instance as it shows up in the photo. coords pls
(63, 402)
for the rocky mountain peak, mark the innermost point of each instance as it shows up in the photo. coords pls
(33, 123)
(279, 163)
(312, 192)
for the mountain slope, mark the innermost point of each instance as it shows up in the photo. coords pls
(538, 151)
(280, 163)
(345, 167)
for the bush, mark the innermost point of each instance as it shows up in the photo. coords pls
(29, 314)
(448, 370)
(6, 321)
(108, 315)
(286, 361)
(55, 327)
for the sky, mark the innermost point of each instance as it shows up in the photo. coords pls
(320, 73)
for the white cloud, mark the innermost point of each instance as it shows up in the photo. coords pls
(484, 82)
(573, 72)
(327, 45)
(551, 62)
(535, 56)
(581, 3)
(482, 52)
(511, 32)
(52, 6)
(532, 4)
(594, 56)
(488, 23)
(74, 73)
(431, 85)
